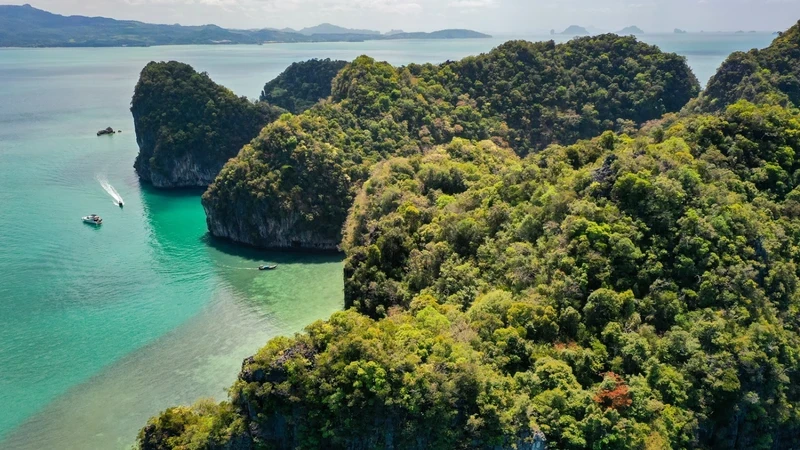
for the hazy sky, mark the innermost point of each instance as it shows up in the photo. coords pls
(497, 16)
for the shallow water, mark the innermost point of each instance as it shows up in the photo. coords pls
(100, 328)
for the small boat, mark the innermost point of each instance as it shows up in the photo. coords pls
(121, 204)
(93, 219)
(271, 267)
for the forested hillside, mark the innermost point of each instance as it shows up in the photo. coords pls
(624, 292)
(770, 75)
(187, 126)
(526, 95)
(634, 290)
(302, 84)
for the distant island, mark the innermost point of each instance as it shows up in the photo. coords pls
(679, 31)
(327, 28)
(575, 30)
(441, 34)
(630, 30)
(26, 26)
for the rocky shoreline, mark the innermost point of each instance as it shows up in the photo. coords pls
(261, 232)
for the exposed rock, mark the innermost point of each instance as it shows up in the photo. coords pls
(108, 130)
(292, 186)
(179, 172)
(188, 127)
(265, 230)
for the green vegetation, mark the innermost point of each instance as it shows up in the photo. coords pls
(770, 75)
(666, 259)
(624, 292)
(637, 290)
(187, 126)
(406, 382)
(296, 194)
(547, 93)
(298, 161)
(302, 85)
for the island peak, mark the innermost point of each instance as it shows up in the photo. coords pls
(575, 30)
(632, 30)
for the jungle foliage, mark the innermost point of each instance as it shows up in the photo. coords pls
(522, 94)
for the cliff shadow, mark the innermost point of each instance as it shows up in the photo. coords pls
(265, 256)
(183, 192)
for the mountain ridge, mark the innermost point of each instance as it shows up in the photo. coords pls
(27, 26)
(329, 28)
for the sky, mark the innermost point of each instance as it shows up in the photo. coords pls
(493, 16)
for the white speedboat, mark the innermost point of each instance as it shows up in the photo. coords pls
(93, 219)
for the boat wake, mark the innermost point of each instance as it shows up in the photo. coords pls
(110, 190)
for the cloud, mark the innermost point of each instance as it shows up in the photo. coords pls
(471, 3)
(382, 6)
(223, 3)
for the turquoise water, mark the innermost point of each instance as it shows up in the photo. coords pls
(102, 328)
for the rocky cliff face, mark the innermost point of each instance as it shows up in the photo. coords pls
(285, 190)
(266, 229)
(181, 171)
(187, 126)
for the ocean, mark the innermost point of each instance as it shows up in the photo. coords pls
(101, 328)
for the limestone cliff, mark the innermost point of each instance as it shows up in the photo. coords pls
(187, 126)
(268, 229)
(293, 187)
(285, 190)
(181, 171)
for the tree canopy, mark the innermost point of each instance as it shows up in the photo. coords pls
(523, 94)
(302, 84)
(770, 75)
(182, 117)
(635, 290)
(624, 292)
